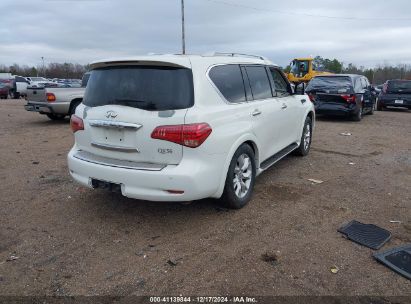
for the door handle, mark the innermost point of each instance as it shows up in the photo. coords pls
(256, 112)
(284, 106)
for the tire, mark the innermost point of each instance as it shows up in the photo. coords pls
(380, 107)
(73, 107)
(239, 184)
(306, 138)
(55, 116)
(16, 95)
(371, 112)
(357, 116)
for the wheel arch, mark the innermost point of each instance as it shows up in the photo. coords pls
(72, 103)
(248, 139)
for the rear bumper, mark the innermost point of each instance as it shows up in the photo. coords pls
(406, 103)
(338, 109)
(199, 178)
(45, 108)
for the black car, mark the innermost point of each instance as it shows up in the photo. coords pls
(343, 94)
(395, 93)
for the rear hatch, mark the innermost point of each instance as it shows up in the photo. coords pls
(331, 89)
(124, 104)
(397, 90)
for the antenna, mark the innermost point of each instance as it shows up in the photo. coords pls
(183, 38)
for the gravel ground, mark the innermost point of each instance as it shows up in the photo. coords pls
(57, 238)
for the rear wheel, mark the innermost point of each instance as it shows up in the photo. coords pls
(358, 116)
(305, 142)
(55, 116)
(240, 179)
(16, 95)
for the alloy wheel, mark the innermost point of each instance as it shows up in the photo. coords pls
(242, 175)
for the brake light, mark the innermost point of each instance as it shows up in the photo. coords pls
(50, 97)
(76, 123)
(311, 96)
(349, 98)
(192, 135)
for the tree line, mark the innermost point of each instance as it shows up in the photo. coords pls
(51, 70)
(376, 75)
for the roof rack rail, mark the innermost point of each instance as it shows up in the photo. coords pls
(235, 55)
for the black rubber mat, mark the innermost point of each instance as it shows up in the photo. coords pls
(366, 234)
(398, 259)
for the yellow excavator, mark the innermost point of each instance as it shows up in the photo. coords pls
(302, 71)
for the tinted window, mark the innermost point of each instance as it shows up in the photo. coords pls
(260, 85)
(84, 80)
(149, 88)
(20, 79)
(330, 84)
(363, 83)
(229, 81)
(280, 84)
(397, 86)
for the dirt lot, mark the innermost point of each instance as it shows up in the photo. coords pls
(70, 240)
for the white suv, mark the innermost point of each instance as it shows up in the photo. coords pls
(186, 127)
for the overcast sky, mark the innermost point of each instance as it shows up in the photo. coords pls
(81, 31)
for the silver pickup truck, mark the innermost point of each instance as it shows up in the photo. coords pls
(56, 103)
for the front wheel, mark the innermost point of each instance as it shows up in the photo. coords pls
(372, 109)
(305, 142)
(240, 179)
(55, 116)
(380, 107)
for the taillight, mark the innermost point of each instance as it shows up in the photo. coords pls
(76, 123)
(50, 97)
(192, 135)
(311, 96)
(349, 98)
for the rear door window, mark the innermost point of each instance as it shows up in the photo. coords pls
(151, 88)
(259, 82)
(229, 81)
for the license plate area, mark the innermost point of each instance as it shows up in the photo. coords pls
(115, 137)
(104, 185)
(399, 101)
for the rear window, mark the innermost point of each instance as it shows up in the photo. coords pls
(399, 86)
(329, 84)
(150, 88)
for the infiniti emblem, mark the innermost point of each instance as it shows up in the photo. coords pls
(111, 114)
